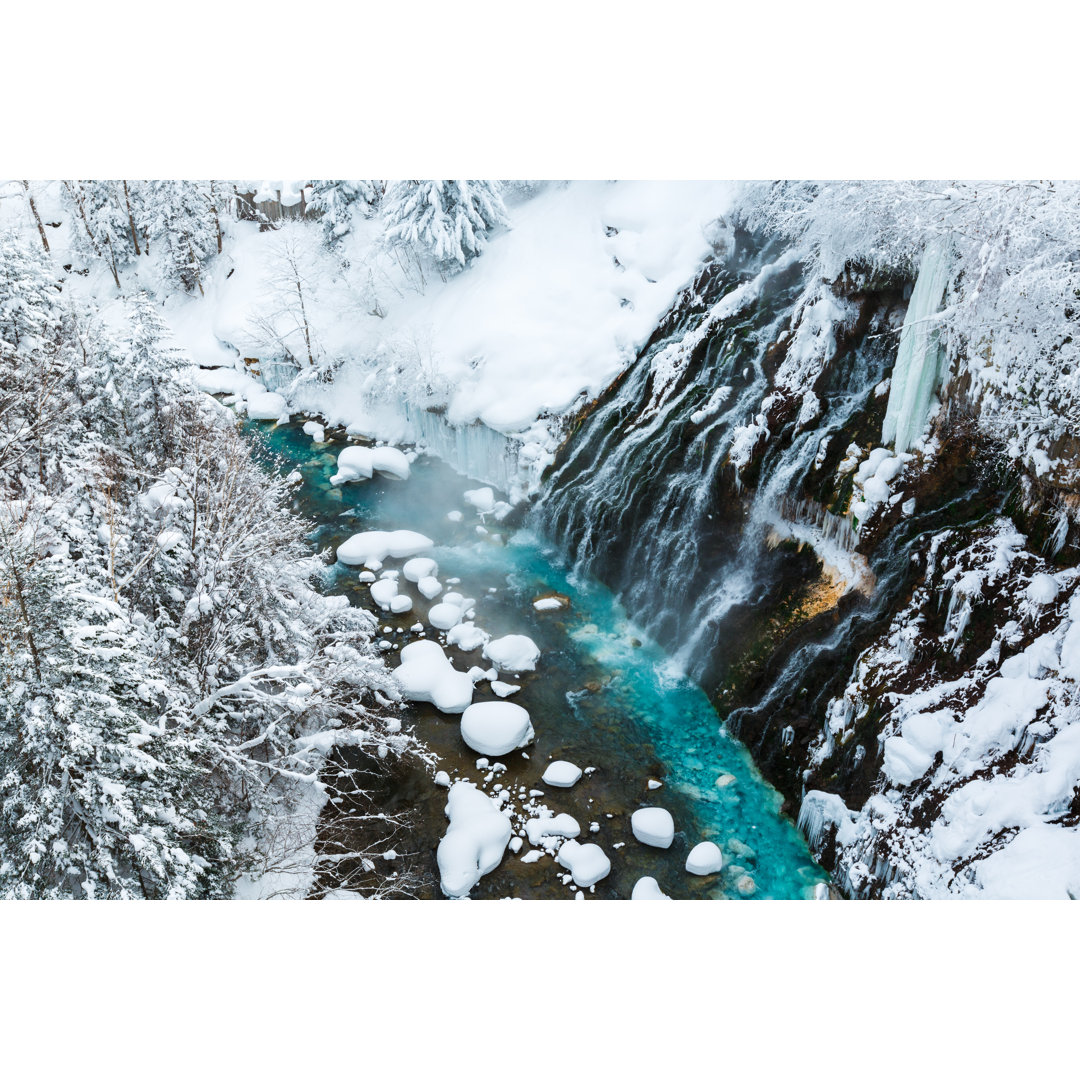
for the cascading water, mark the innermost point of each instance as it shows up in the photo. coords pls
(683, 484)
(647, 498)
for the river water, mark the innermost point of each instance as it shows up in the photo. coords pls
(603, 696)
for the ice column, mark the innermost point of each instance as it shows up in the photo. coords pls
(917, 373)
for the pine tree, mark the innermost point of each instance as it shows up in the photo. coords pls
(179, 218)
(447, 220)
(336, 201)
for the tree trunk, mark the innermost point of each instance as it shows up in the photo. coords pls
(131, 220)
(37, 216)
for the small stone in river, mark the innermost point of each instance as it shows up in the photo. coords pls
(455, 515)
(745, 886)
(724, 779)
(516, 844)
(442, 778)
(654, 784)
(653, 826)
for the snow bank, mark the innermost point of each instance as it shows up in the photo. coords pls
(475, 841)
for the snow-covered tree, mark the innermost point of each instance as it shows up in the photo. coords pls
(336, 201)
(446, 220)
(180, 219)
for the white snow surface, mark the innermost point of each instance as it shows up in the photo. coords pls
(647, 888)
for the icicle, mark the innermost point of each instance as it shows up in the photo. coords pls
(917, 373)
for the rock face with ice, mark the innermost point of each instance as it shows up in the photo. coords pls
(495, 727)
(376, 546)
(705, 858)
(475, 841)
(514, 652)
(653, 826)
(562, 774)
(587, 863)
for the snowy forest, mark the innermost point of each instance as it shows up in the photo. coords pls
(541, 539)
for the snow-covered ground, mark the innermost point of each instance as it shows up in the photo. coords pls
(555, 308)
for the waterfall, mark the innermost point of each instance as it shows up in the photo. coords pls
(918, 371)
(648, 495)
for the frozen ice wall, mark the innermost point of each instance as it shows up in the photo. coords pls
(918, 370)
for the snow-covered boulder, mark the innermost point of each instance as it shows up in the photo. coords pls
(444, 616)
(560, 825)
(429, 587)
(475, 841)
(504, 689)
(562, 774)
(425, 674)
(264, 405)
(482, 498)
(467, 636)
(514, 652)
(315, 430)
(419, 568)
(383, 592)
(400, 604)
(496, 727)
(705, 858)
(373, 547)
(361, 462)
(646, 888)
(653, 826)
(586, 862)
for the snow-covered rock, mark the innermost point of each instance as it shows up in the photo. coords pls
(467, 636)
(504, 689)
(263, 405)
(560, 825)
(586, 862)
(419, 568)
(360, 462)
(562, 774)
(514, 652)
(647, 888)
(705, 858)
(444, 616)
(366, 548)
(475, 841)
(496, 727)
(653, 826)
(429, 587)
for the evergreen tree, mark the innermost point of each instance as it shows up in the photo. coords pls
(447, 220)
(180, 220)
(337, 200)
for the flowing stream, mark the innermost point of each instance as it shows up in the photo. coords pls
(604, 696)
